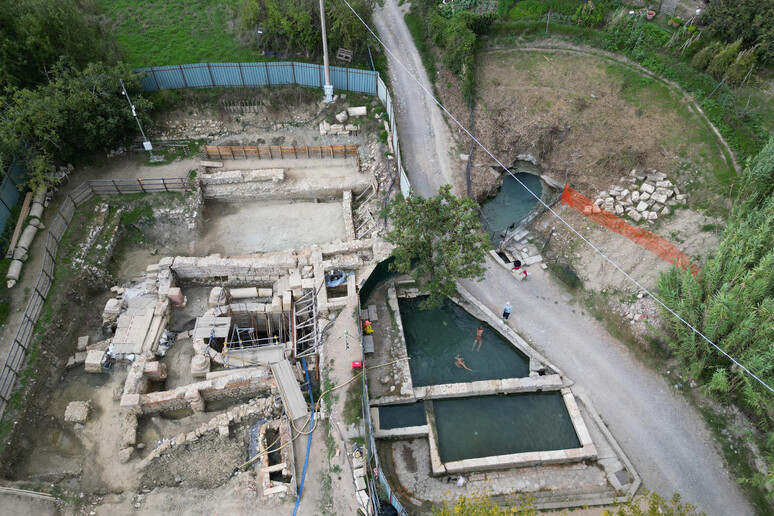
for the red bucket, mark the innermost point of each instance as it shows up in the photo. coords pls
(357, 364)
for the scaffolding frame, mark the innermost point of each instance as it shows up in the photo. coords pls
(310, 342)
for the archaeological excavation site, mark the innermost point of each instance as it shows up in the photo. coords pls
(237, 330)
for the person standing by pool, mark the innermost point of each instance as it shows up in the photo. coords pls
(479, 337)
(507, 311)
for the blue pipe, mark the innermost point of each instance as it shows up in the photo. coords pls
(309, 442)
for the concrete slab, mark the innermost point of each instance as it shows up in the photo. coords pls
(210, 326)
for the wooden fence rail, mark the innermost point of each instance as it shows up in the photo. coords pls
(278, 152)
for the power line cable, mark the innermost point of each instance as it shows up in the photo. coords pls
(597, 250)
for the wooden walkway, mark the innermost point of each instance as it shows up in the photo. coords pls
(292, 398)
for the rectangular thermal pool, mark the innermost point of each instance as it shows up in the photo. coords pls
(485, 426)
(435, 337)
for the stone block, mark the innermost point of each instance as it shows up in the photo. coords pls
(223, 431)
(619, 210)
(360, 484)
(666, 211)
(635, 196)
(642, 206)
(112, 307)
(244, 293)
(94, 360)
(533, 259)
(647, 188)
(644, 197)
(217, 294)
(155, 370)
(357, 111)
(278, 490)
(82, 343)
(175, 296)
(125, 454)
(652, 215)
(634, 215)
(77, 412)
(129, 401)
(342, 117)
(660, 198)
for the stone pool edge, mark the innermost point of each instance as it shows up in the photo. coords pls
(587, 450)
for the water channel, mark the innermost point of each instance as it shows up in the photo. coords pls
(512, 203)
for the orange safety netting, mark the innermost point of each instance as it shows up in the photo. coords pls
(654, 243)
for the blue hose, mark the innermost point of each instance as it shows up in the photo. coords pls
(309, 442)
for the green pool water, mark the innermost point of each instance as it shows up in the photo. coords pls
(500, 425)
(401, 416)
(511, 204)
(434, 337)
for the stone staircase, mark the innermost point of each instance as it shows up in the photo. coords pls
(669, 6)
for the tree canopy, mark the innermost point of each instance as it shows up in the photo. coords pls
(732, 301)
(36, 34)
(439, 238)
(750, 20)
(75, 111)
(294, 25)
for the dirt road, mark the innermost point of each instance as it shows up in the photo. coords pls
(663, 435)
(424, 137)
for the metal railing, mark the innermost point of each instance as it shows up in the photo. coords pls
(14, 362)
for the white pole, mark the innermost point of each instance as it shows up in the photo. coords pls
(134, 114)
(328, 87)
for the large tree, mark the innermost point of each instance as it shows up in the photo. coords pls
(294, 25)
(75, 111)
(750, 20)
(36, 34)
(438, 239)
(732, 301)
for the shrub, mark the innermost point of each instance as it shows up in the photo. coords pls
(528, 10)
(739, 69)
(588, 15)
(504, 7)
(460, 46)
(701, 60)
(566, 7)
(720, 63)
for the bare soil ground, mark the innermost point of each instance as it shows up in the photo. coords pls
(85, 460)
(589, 121)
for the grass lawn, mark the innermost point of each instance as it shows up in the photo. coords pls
(169, 32)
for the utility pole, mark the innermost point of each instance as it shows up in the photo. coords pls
(145, 142)
(328, 87)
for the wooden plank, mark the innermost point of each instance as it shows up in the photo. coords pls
(292, 398)
(19, 223)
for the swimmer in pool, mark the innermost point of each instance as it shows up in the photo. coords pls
(460, 362)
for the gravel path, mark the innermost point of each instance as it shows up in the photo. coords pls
(424, 137)
(663, 435)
